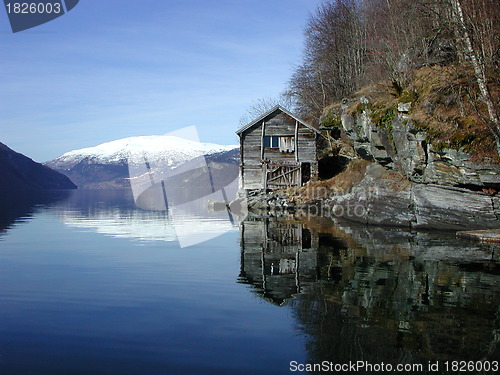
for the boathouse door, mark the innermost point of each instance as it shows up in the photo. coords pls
(305, 172)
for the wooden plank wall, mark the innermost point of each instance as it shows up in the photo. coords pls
(252, 156)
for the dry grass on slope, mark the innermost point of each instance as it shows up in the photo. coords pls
(449, 108)
(340, 184)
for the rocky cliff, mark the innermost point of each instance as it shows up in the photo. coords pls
(418, 158)
(412, 178)
(383, 197)
(406, 147)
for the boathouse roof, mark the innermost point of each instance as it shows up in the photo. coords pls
(271, 113)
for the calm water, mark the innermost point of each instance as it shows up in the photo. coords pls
(92, 285)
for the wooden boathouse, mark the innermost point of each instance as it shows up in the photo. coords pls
(277, 150)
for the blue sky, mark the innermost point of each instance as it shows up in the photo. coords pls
(111, 69)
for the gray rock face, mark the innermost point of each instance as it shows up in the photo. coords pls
(377, 199)
(404, 107)
(439, 207)
(405, 149)
(383, 198)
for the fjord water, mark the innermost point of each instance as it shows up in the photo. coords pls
(90, 284)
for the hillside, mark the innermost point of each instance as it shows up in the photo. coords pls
(441, 101)
(420, 156)
(20, 174)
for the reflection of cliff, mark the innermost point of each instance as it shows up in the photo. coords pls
(379, 294)
(417, 296)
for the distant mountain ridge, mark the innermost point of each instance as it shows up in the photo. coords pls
(20, 174)
(105, 166)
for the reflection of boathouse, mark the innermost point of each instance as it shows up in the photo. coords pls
(375, 293)
(278, 259)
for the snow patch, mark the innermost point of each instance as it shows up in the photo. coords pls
(165, 148)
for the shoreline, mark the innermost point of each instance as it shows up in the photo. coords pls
(387, 199)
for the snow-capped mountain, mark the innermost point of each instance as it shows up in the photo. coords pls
(106, 165)
(168, 148)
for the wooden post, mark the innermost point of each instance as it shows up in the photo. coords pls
(297, 264)
(296, 140)
(264, 175)
(262, 141)
(241, 183)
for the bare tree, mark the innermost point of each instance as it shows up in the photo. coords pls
(349, 43)
(262, 105)
(397, 32)
(476, 50)
(334, 56)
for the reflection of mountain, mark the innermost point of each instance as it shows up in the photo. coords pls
(143, 225)
(113, 213)
(374, 294)
(106, 166)
(25, 184)
(19, 208)
(19, 174)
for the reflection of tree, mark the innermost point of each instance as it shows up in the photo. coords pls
(381, 295)
(399, 308)
(340, 333)
(366, 320)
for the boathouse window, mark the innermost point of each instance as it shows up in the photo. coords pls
(287, 144)
(284, 143)
(271, 141)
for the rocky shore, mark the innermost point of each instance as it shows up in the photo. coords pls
(407, 181)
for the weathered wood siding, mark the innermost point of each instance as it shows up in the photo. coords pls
(253, 158)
